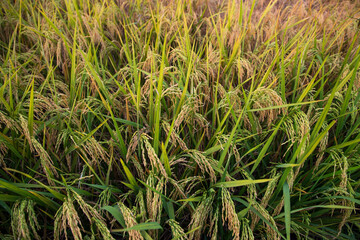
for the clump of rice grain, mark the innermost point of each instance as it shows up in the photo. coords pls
(176, 230)
(229, 214)
(24, 221)
(198, 220)
(130, 222)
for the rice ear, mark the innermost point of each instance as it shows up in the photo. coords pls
(229, 214)
(198, 219)
(45, 159)
(204, 163)
(154, 159)
(297, 127)
(174, 137)
(176, 230)
(266, 97)
(214, 224)
(104, 231)
(67, 217)
(130, 222)
(88, 210)
(269, 230)
(246, 232)
(24, 221)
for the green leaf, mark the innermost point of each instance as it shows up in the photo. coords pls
(169, 208)
(44, 201)
(240, 183)
(129, 176)
(31, 110)
(286, 165)
(193, 199)
(157, 113)
(141, 227)
(266, 146)
(9, 198)
(56, 194)
(165, 160)
(287, 209)
(313, 207)
(116, 213)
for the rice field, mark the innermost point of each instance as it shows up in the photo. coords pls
(179, 119)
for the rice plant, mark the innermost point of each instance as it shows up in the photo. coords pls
(179, 119)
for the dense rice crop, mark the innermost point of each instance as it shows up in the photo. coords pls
(179, 119)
